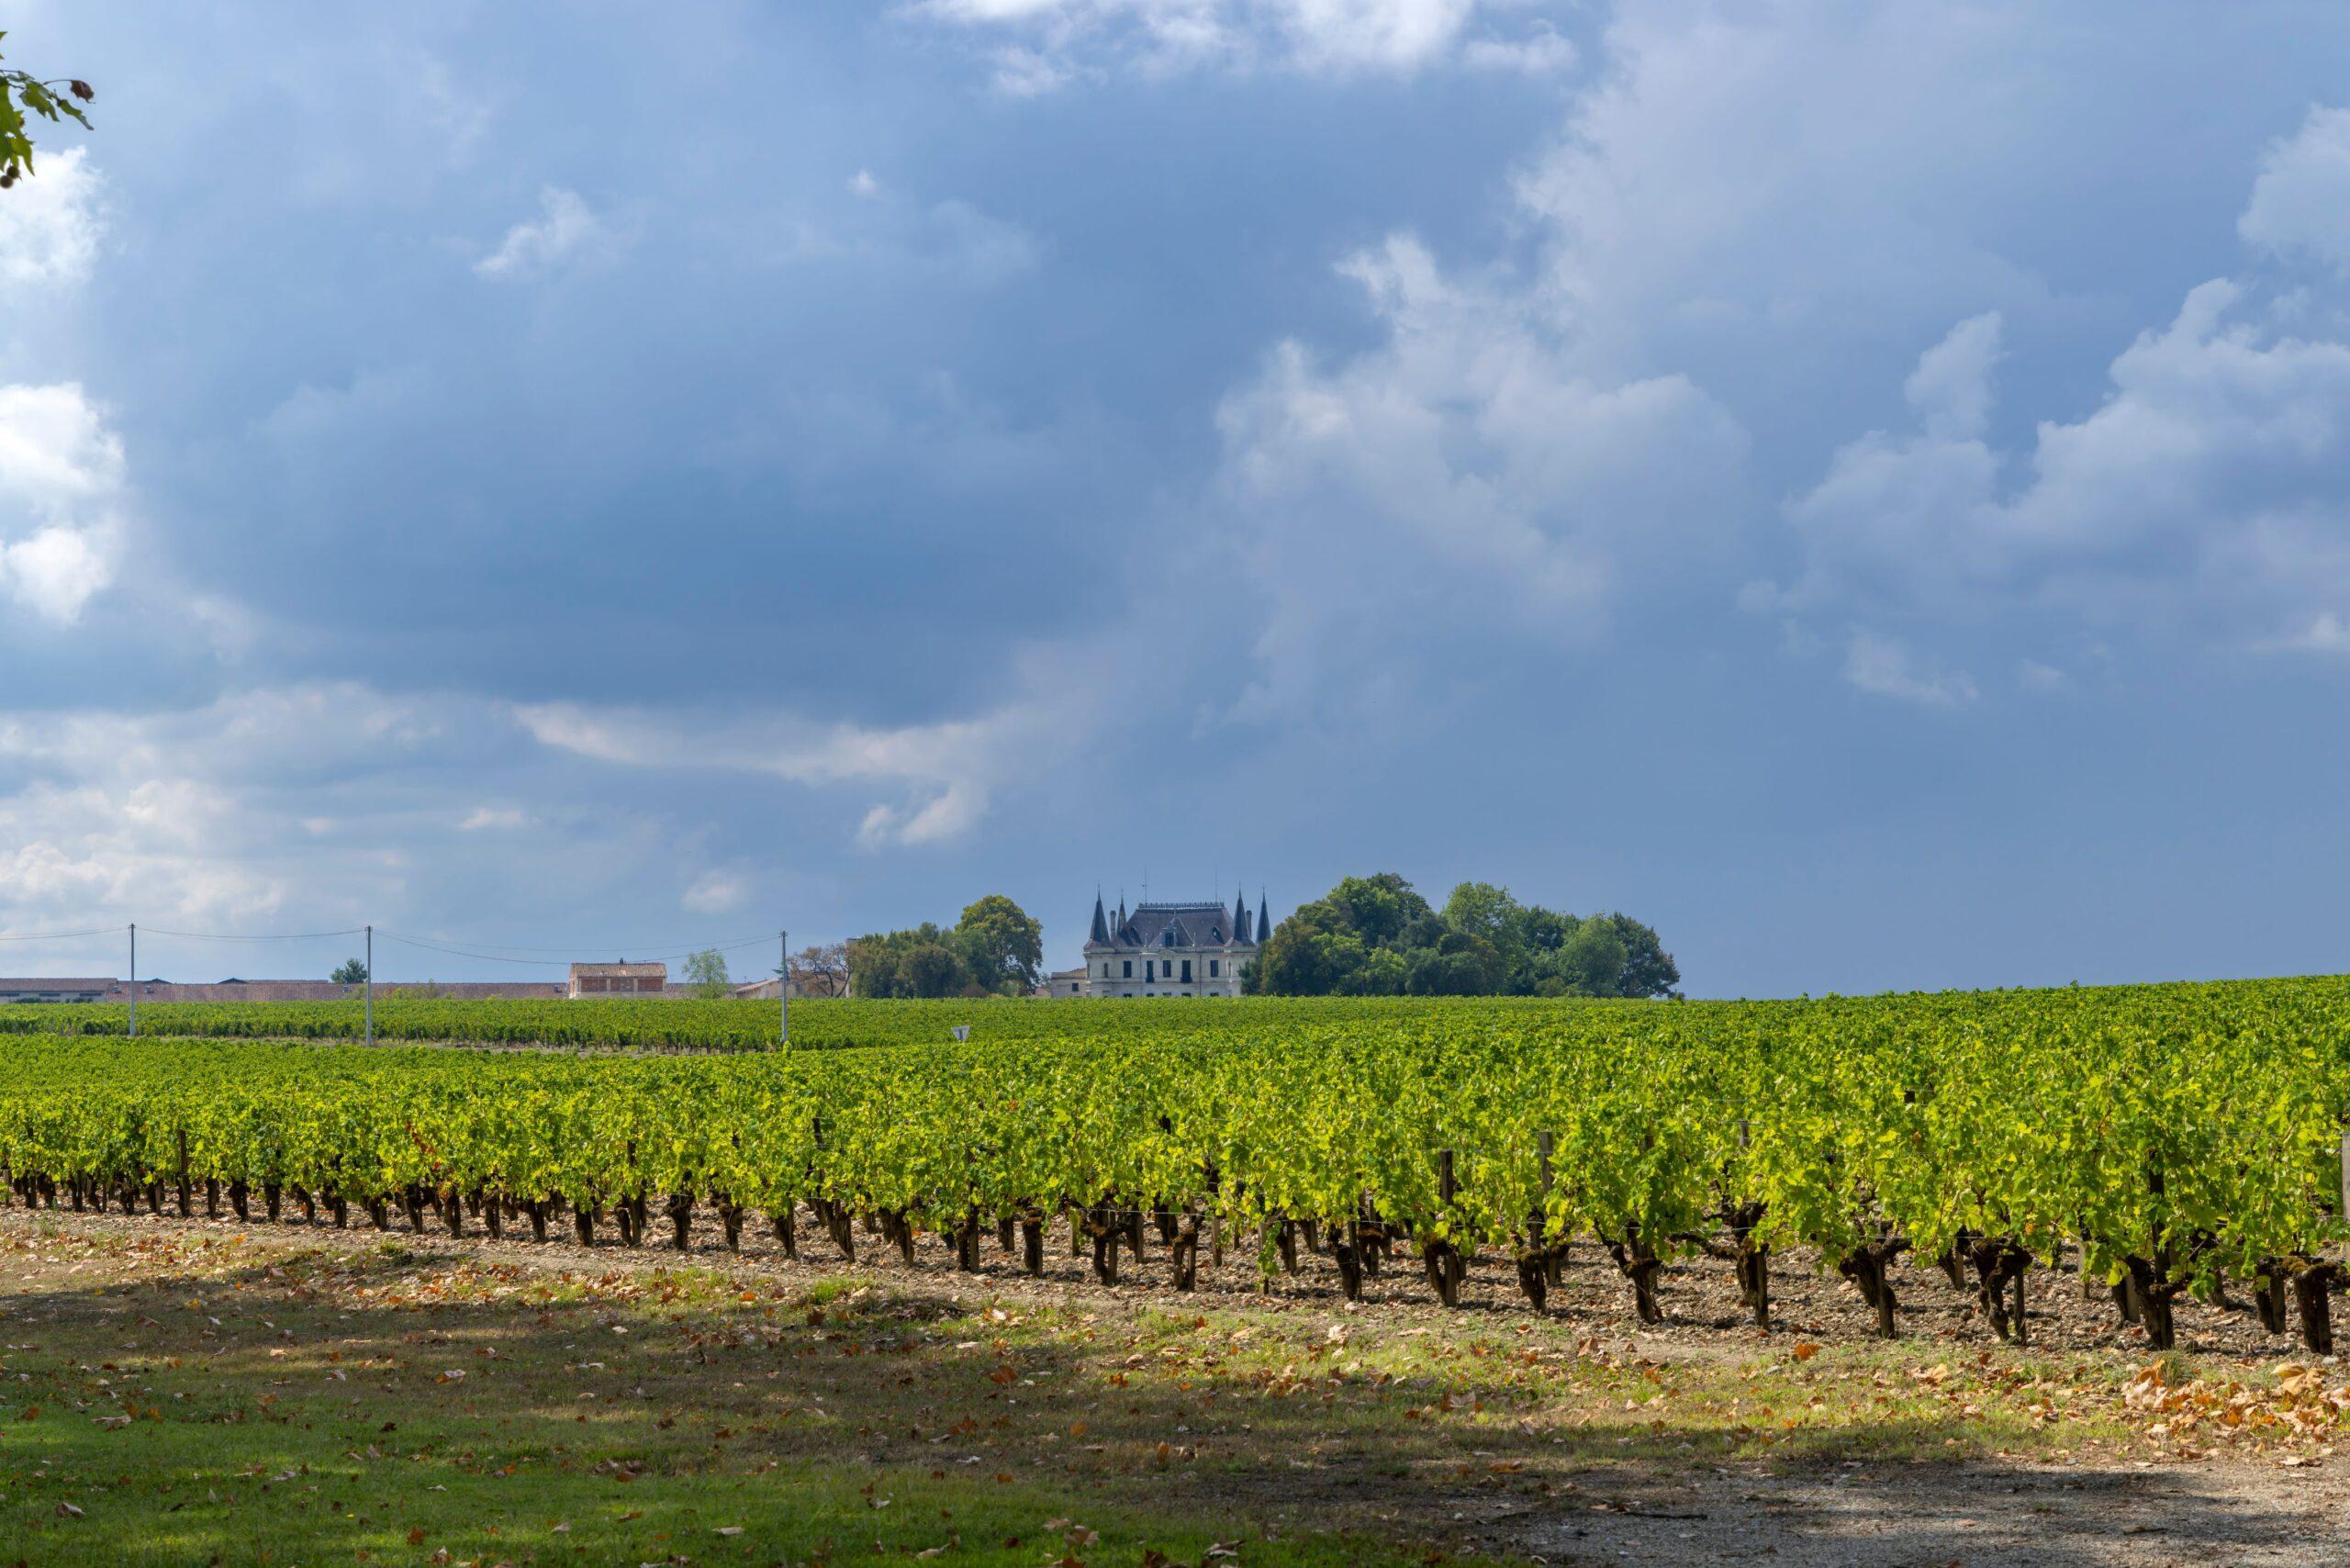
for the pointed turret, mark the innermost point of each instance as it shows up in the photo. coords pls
(1240, 917)
(1264, 918)
(1101, 920)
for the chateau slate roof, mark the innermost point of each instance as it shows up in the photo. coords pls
(1191, 924)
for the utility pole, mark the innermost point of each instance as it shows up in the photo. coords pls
(134, 980)
(371, 985)
(783, 983)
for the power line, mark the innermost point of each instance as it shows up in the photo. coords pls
(271, 937)
(464, 953)
(575, 948)
(556, 963)
(496, 957)
(60, 935)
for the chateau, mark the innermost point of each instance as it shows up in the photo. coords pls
(1171, 949)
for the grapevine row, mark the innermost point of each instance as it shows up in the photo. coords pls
(2179, 1138)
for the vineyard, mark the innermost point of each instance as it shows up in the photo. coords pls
(687, 1026)
(2174, 1139)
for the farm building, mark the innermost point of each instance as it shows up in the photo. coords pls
(620, 979)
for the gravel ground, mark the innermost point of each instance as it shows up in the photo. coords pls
(1807, 1511)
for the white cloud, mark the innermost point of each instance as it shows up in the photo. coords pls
(1062, 39)
(2205, 493)
(1884, 667)
(862, 184)
(56, 455)
(949, 773)
(955, 240)
(50, 223)
(566, 230)
(2300, 203)
(983, 249)
(55, 572)
(715, 892)
(1541, 52)
(307, 805)
(1950, 389)
(2325, 632)
(1029, 73)
(1465, 479)
(2043, 679)
(185, 815)
(62, 490)
(1708, 206)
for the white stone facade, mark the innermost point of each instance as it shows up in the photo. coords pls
(1170, 950)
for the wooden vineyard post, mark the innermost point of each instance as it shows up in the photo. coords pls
(1554, 1258)
(183, 1174)
(2023, 1325)
(2345, 1187)
(1443, 1259)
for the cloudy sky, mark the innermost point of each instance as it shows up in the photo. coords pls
(1864, 487)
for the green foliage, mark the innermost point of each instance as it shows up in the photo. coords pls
(22, 94)
(996, 949)
(1376, 936)
(351, 971)
(706, 972)
(1004, 945)
(2195, 1126)
(922, 962)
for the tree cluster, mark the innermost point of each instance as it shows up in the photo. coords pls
(994, 950)
(820, 968)
(1377, 937)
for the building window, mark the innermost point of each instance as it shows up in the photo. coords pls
(1213, 968)
(1130, 968)
(1187, 971)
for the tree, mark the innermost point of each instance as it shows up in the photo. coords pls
(873, 968)
(21, 92)
(1649, 969)
(907, 963)
(1377, 908)
(820, 969)
(1435, 973)
(351, 971)
(1003, 947)
(994, 948)
(933, 969)
(1383, 972)
(1592, 962)
(1376, 936)
(706, 972)
(1489, 913)
(1310, 954)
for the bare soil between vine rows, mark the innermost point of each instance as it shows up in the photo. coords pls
(1277, 1415)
